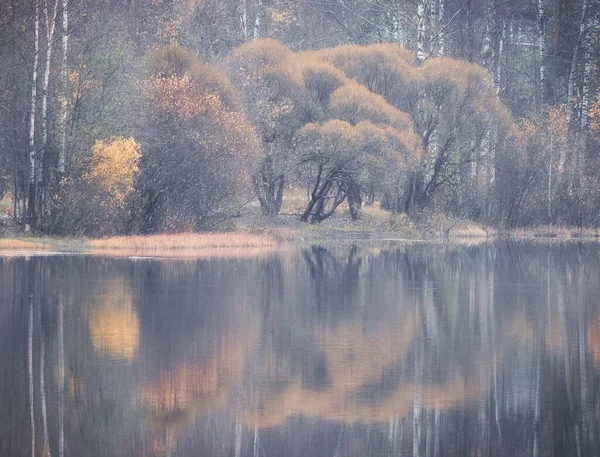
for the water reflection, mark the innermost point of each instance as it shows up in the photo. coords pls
(427, 350)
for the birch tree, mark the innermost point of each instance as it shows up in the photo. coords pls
(423, 7)
(541, 50)
(65, 90)
(50, 26)
(31, 207)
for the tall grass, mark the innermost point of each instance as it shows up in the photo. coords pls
(555, 231)
(184, 241)
(14, 244)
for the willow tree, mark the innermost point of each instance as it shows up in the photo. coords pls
(270, 91)
(281, 92)
(339, 159)
(453, 107)
(198, 148)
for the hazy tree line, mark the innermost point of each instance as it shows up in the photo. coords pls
(144, 116)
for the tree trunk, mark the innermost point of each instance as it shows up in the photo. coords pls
(541, 49)
(50, 26)
(32, 112)
(244, 19)
(354, 201)
(268, 188)
(499, 55)
(590, 40)
(260, 26)
(65, 91)
(441, 33)
(573, 72)
(422, 12)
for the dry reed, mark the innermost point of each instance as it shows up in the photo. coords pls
(184, 241)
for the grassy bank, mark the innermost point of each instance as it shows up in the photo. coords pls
(259, 236)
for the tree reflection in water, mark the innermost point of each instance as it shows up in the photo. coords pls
(427, 350)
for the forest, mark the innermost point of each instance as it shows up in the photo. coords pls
(147, 116)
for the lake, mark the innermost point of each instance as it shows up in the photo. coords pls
(371, 349)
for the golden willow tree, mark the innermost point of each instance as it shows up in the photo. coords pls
(407, 131)
(199, 150)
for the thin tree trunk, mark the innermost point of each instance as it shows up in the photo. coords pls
(590, 40)
(32, 112)
(441, 33)
(259, 20)
(50, 25)
(244, 19)
(498, 63)
(65, 91)
(422, 11)
(573, 72)
(541, 49)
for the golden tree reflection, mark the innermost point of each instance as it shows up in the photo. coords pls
(114, 324)
(593, 340)
(175, 398)
(355, 358)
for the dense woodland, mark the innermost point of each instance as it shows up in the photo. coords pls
(140, 116)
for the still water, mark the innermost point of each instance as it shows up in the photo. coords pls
(353, 350)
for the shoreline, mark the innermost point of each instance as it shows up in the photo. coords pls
(237, 243)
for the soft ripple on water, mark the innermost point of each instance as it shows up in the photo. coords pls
(348, 350)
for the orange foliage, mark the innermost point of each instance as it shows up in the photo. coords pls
(354, 103)
(176, 70)
(382, 68)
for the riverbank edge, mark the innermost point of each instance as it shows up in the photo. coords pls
(270, 238)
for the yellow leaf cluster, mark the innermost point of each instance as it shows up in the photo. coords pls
(595, 117)
(113, 168)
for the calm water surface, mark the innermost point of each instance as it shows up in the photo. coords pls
(365, 350)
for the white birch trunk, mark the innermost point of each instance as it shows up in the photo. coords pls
(572, 74)
(63, 107)
(32, 114)
(590, 39)
(441, 33)
(244, 19)
(259, 19)
(541, 49)
(422, 10)
(50, 26)
(498, 70)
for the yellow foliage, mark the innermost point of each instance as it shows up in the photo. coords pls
(114, 165)
(321, 78)
(114, 324)
(180, 97)
(354, 103)
(176, 71)
(383, 68)
(595, 117)
(258, 56)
